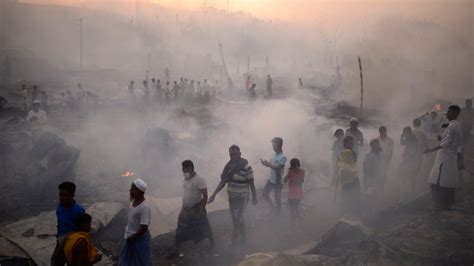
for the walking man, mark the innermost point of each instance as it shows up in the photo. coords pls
(238, 175)
(192, 220)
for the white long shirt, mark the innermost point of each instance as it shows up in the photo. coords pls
(37, 120)
(387, 151)
(445, 171)
(137, 216)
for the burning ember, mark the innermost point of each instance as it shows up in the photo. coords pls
(128, 174)
(437, 107)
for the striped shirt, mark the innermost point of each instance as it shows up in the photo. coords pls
(238, 185)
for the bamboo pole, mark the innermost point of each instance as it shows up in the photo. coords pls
(223, 62)
(361, 87)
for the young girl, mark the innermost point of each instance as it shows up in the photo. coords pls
(295, 177)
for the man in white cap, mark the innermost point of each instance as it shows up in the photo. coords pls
(355, 133)
(36, 118)
(136, 250)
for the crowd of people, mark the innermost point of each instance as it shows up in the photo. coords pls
(428, 134)
(357, 179)
(350, 185)
(189, 90)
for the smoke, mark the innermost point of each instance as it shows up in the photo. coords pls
(410, 61)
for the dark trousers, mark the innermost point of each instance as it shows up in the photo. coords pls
(237, 208)
(58, 258)
(443, 197)
(269, 186)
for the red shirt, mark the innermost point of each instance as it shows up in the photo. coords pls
(295, 183)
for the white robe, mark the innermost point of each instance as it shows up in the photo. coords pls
(445, 168)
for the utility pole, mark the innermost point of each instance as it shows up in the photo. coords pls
(266, 64)
(136, 11)
(248, 64)
(3, 7)
(80, 39)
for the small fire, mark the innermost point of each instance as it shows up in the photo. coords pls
(128, 174)
(437, 107)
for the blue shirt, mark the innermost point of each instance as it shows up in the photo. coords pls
(278, 159)
(66, 218)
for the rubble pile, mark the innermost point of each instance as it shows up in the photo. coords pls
(405, 234)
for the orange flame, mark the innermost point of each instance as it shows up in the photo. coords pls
(128, 174)
(437, 107)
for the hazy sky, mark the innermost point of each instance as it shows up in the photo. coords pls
(291, 10)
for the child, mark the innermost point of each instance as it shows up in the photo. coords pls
(67, 211)
(337, 147)
(78, 248)
(295, 179)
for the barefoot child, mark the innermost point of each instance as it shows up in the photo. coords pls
(295, 179)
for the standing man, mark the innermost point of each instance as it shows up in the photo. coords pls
(81, 95)
(444, 174)
(372, 173)
(411, 161)
(37, 120)
(252, 93)
(153, 83)
(420, 135)
(146, 91)
(192, 220)
(274, 182)
(167, 92)
(67, 211)
(269, 86)
(386, 144)
(131, 89)
(137, 251)
(24, 95)
(300, 83)
(238, 175)
(158, 91)
(422, 139)
(248, 83)
(432, 125)
(467, 118)
(356, 134)
(175, 90)
(167, 74)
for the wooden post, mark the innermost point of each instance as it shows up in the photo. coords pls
(361, 87)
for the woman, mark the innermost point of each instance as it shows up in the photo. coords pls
(347, 181)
